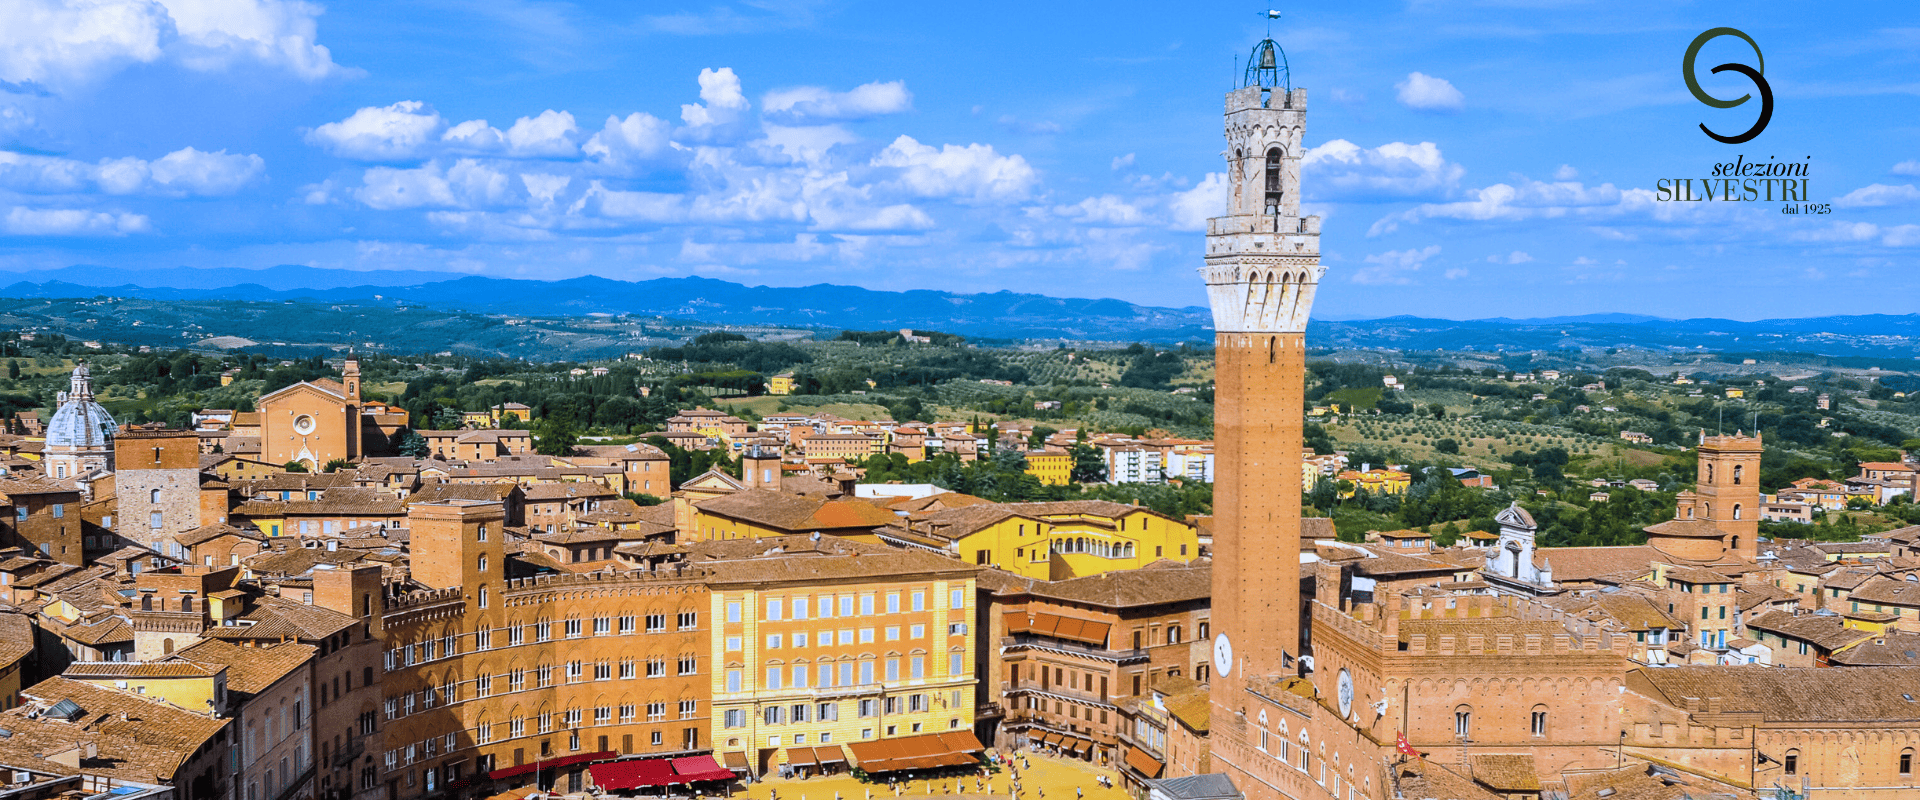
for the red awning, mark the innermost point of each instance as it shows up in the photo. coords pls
(634, 774)
(700, 768)
(552, 763)
(1147, 765)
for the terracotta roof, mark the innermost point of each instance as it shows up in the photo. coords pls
(798, 559)
(567, 491)
(1891, 649)
(1875, 695)
(1686, 528)
(1157, 583)
(249, 669)
(787, 512)
(138, 739)
(16, 638)
(1193, 709)
(136, 669)
(1577, 564)
(1887, 591)
(207, 533)
(1696, 575)
(1506, 773)
(434, 493)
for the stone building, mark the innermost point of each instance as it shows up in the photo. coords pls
(315, 422)
(157, 484)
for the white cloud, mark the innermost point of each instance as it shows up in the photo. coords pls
(725, 104)
(1515, 257)
(186, 171)
(625, 142)
(1879, 194)
(474, 136)
(390, 133)
(207, 174)
(804, 105)
(973, 171)
(1424, 92)
(1192, 208)
(1343, 171)
(1566, 172)
(1529, 200)
(1122, 162)
(1456, 273)
(1393, 266)
(1103, 210)
(550, 135)
(71, 41)
(23, 221)
(1888, 236)
(1907, 168)
(467, 184)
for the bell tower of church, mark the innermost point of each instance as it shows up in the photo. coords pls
(1262, 266)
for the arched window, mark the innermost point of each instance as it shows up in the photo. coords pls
(1539, 722)
(166, 646)
(1906, 762)
(1791, 763)
(482, 565)
(153, 495)
(146, 602)
(1709, 467)
(1463, 721)
(1173, 634)
(1735, 545)
(186, 604)
(1273, 181)
(1736, 510)
(1737, 470)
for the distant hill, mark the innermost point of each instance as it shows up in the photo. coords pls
(1004, 314)
(999, 314)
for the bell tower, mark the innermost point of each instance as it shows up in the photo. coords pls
(1262, 266)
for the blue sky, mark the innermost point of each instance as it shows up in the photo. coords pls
(1472, 159)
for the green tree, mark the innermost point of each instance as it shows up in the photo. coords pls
(643, 499)
(1449, 446)
(446, 419)
(294, 466)
(336, 465)
(413, 445)
(13, 368)
(1088, 466)
(1438, 411)
(554, 435)
(509, 421)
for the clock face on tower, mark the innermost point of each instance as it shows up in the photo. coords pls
(1346, 694)
(1222, 654)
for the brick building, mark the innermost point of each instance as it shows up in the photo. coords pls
(1069, 651)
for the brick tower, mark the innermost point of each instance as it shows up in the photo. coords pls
(1262, 266)
(1728, 491)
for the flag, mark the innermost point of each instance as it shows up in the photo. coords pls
(1272, 14)
(1400, 744)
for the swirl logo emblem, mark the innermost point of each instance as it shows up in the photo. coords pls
(1753, 73)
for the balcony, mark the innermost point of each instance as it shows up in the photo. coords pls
(344, 757)
(1122, 657)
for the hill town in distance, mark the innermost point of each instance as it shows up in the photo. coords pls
(347, 548)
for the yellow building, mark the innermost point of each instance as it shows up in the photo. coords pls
(1052, 467)
(781, 384)
(184, 684)
(1375, 481)
(1050, 541)
(849, 643)
(476, 419)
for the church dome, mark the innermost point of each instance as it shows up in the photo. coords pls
(80, 423)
